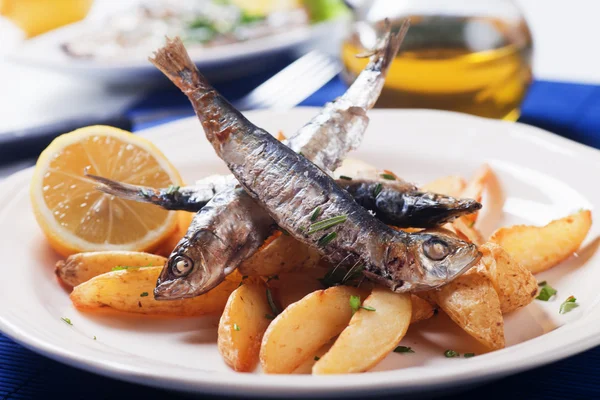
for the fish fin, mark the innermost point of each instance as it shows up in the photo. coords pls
(174, 61)
(123, 190)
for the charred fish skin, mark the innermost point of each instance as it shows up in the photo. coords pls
(216, 242)
(173, 66)
(290, 188)
(408, 209)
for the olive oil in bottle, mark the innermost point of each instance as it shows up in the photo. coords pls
(475, 65)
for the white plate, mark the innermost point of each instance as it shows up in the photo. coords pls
(220, 62)
(544, 176)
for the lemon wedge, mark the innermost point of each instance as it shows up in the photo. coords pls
(75, 217)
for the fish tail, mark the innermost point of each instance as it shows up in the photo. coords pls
(217, 116)
(125, 190)
(174, 61)
(388, 49)
(365, 90)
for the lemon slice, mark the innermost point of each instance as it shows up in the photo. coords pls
(75, 217)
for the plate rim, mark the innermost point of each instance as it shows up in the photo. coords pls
(384, 381)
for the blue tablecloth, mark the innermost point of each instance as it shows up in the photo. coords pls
(570, 110)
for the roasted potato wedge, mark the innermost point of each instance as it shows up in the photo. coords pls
(450, 186)
(131, 291)
(474, 190)
(304, 327)
(473, 304)
(370, 336)
(243, 324)
(541, 248)
(82, 267)
(280, 253)
(185, 219)
(421, 309)
(466, 231)
(516, 286)
(292, 287)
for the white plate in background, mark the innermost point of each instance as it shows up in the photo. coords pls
(544, 177)
(218, 63)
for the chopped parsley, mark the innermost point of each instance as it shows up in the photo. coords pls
(144, 294)
(94, 337)
(356, 305)
(377, 189)
(67, 320)
(389, 177)
(546, 292)
(469, 355)
(271, 302)
(122, 267)
(317, 358)
(145, 193)
(542, 283)
(403, 349)
(315, 214)
(451, 354)
(568, 305)
(236, 327)
(324, 241)
(327, 223)
(346, 178)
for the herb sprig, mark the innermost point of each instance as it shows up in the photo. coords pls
(568, 305)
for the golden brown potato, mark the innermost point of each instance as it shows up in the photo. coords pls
(516, 286)
(166, 247)
(243, 324)
(370, 336)
(473, 304)
(281, 253)
(421, 309)
(289, 288)
(131, 291)
(304, 327)
(449, 185)
(474, 190)
(466, 231)
(82, 267)
(540, 248)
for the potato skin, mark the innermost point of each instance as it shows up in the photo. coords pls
(81, 267)
(132, 291)
(243, 324)
(473, 304)
(516, 286)
(541, 248)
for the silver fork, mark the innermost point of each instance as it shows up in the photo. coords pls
(293, 84)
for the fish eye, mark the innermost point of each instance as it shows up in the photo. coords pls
(181, 265)
(435, 249)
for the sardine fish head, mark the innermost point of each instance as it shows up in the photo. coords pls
(186, 273)
(438, 258)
